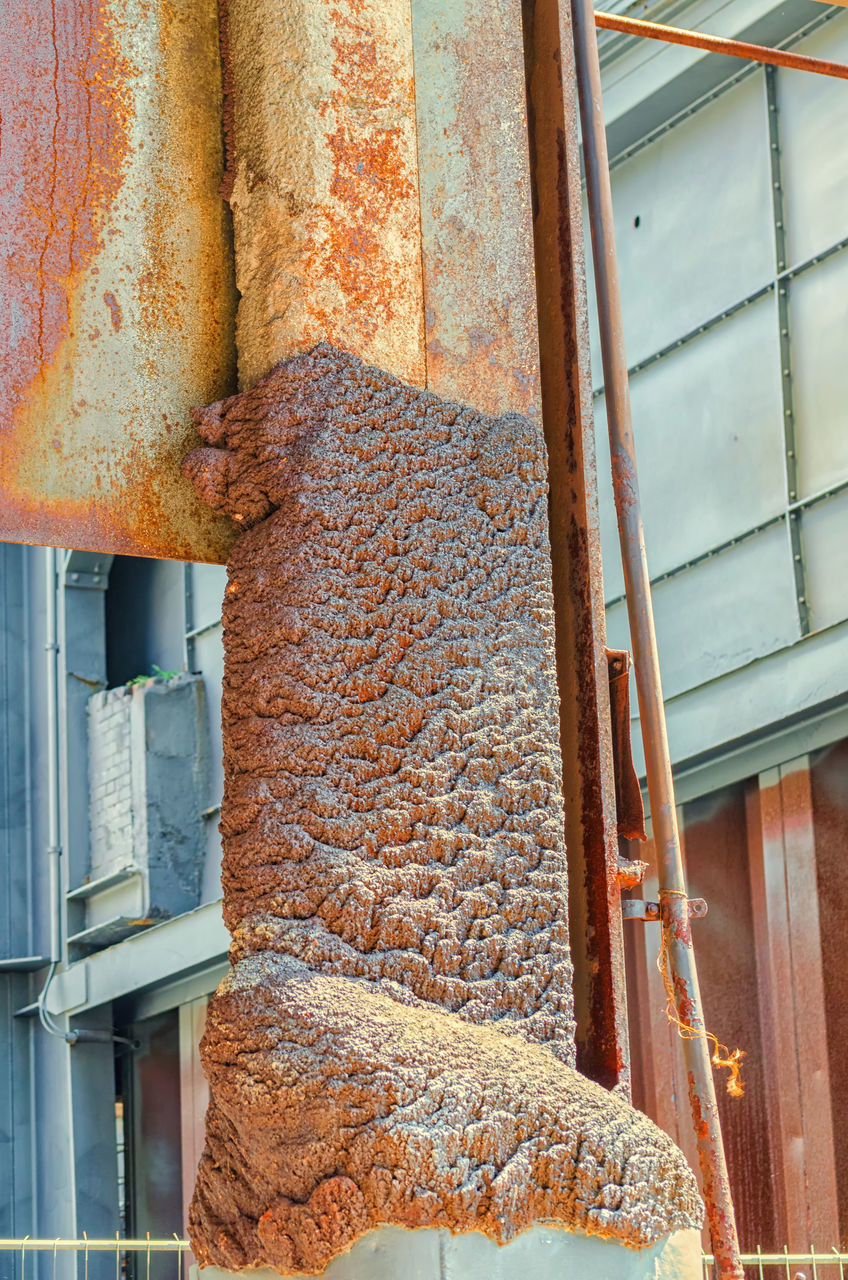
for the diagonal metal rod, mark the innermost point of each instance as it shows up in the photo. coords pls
(674, 905)
(720, 44)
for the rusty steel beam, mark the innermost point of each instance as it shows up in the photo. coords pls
(116, 286)
(677, 935)
(719, 44)
(600, 1002)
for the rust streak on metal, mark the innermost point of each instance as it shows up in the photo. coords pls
(719, 44)
(371, 178)
(677, 938)
(628, 793)
(585, 731)
(66, 119)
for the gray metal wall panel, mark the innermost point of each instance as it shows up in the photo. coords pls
(814, 141)
(16, 921)
(819, 327)
(701, 194)
(825, 535)
(722, 614)
(209, 582)
(724, 416)
(205, 586)
(15, 899)
(709, 443)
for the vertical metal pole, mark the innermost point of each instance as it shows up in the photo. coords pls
(672, 889)
(54, 848)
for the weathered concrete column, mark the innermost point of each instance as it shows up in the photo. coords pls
(391, 1057)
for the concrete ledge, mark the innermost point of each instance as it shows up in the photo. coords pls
(543, 1253)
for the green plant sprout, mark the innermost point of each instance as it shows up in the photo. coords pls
(157, 673)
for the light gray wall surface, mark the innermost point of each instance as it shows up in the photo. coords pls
(732, 235)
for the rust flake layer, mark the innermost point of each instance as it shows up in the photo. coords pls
(394, 1043)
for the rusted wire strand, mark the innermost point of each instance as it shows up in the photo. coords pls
(721, 1058)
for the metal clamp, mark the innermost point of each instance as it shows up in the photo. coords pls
(635, 909)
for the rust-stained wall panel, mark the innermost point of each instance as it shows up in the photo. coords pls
(323, 181)
(116, 291)
(829, 792)
(476, 223)
(716, 853)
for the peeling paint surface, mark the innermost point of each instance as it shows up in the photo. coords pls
(476, 218)
(324, 187)
(116, 290)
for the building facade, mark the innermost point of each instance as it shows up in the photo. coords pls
(730, 184)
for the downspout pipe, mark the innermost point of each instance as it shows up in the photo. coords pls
(674, 904)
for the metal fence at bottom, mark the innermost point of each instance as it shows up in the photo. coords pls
(788, 1266)
(145, 1254)
(34, 1259)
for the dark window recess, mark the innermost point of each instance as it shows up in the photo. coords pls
(150, 1084)
(145, 618)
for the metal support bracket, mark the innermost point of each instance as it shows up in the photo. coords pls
(630, 872)
(87, 569)
(636, 909)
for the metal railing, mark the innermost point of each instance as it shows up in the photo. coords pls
(760, 1266)
(143, 1251)
(788, 1266)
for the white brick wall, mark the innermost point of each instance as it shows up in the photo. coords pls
(110, 781)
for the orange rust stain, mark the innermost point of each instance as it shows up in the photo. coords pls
(65, 109)
(368, 178)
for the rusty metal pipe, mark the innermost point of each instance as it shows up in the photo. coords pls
(720, 44)
(672, 888)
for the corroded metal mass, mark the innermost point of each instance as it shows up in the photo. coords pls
(115, 272)
(394, 1043)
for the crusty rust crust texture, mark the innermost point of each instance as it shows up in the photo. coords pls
(394, 1043)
